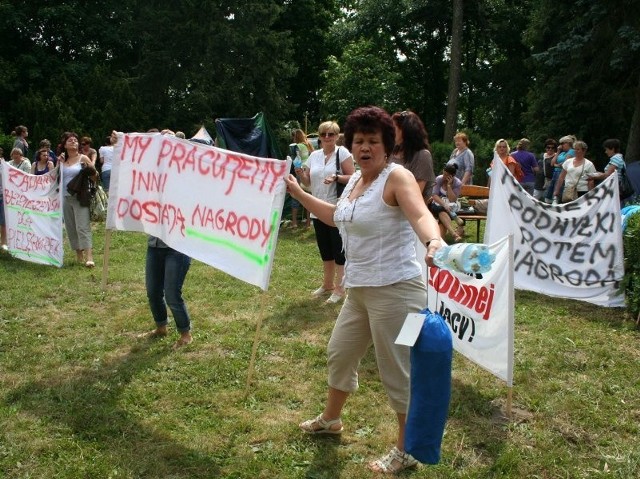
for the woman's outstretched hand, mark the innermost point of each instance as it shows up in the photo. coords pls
(293, 187)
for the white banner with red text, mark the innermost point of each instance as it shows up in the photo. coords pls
(33, 215)
(572, 250)
(479, 311)
(217, 206)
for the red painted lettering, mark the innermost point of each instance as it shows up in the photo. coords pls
(240, 226)
(479, 299)
(136, 146)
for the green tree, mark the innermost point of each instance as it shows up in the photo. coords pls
(587, 71)
(94, 66)
(308, 22)
(360, 77)
(455, 67)
(494, 75)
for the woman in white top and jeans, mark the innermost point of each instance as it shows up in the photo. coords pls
(106, 157)
(378, 213)
(319, 172)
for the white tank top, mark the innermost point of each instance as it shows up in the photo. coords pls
(68, 174)
(378, 240)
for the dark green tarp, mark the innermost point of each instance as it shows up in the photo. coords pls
(251, 136)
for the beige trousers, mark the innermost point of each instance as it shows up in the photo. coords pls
(375, 315)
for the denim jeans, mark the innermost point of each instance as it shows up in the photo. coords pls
(106, 180)
(552, 184)
(165, 273)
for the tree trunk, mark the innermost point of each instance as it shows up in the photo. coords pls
(454, 71)
(633, 144)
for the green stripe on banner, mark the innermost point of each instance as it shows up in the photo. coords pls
(45, 259)
(260, 260)
(53, 214)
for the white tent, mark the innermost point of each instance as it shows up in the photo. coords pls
(202, 136)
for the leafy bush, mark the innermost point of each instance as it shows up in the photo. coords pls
(631, 282)
(6, 143)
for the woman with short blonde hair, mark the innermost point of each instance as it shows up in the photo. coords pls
(325, 168)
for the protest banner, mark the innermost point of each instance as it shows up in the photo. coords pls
(220, 207)
(478, 309)
(571, 250)
(33, 215)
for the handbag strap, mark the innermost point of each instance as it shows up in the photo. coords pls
(584, 161)
(337, 160)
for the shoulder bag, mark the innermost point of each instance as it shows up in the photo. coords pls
(624, 185)
(570, 193)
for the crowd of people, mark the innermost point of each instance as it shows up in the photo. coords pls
(79, 162)
(369, 199)
(392, 196)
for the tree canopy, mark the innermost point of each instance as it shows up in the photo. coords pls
(526, 68)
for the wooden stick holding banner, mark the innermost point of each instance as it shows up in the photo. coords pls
(256, 342)
(105, 260)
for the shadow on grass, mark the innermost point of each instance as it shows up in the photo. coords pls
(326, 463)
(87, 407)
(481, 416)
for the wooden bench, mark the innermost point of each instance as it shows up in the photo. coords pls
(473, 193)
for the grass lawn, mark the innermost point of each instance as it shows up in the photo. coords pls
(82, 397)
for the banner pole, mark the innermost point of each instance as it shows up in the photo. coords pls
(105, 259)
(256, 341)
(509, 402)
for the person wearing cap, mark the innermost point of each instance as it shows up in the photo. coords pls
(528, 163)
(564, 151)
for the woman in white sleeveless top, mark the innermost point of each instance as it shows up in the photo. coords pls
(377, 216)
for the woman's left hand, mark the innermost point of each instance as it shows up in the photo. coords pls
(330, 179)
(434, 245)
(293, 186)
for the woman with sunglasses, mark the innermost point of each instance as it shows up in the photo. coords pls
(563, 152)
(379, 216)
(545, 170)
(321, 173)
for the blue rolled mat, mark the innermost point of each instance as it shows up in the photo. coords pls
(431, 358)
